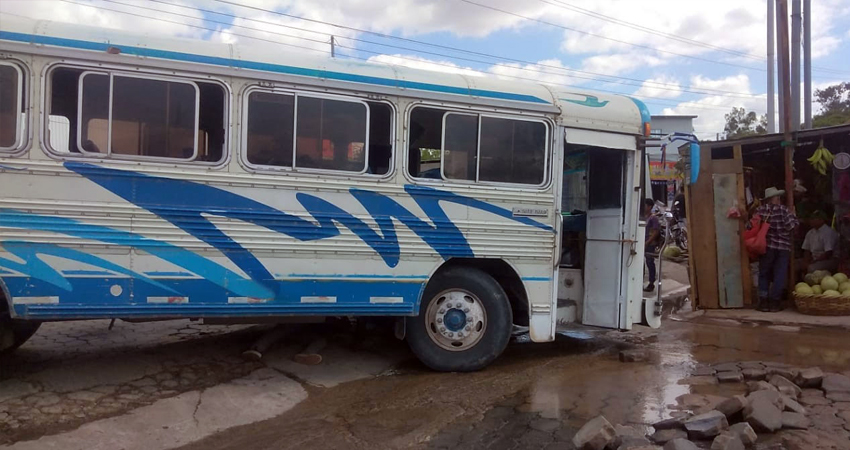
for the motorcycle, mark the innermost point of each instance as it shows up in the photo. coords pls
(672, 224)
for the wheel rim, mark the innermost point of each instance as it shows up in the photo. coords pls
(456, 320)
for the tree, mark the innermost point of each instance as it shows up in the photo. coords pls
(835, 105)
(740, 123)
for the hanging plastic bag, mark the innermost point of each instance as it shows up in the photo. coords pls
(755, 238)
(733, 212)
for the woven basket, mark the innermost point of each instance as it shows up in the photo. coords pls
(819, 305)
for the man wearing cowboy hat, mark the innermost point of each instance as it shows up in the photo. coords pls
(773, 265)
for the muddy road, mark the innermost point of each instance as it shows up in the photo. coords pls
(153, 386)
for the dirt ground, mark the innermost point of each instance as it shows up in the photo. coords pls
(183, 385)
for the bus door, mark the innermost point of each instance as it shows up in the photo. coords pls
(604, 248)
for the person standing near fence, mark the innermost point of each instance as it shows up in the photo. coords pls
(773, 264)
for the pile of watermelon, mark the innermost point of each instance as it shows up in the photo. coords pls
(821, 282)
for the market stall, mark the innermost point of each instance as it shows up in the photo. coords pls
(733, 178)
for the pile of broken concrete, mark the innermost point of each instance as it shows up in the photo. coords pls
(776, 395)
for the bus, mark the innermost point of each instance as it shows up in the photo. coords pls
(151, 178)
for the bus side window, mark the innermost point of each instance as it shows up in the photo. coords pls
(460, 146)
(331, 134)
(270, 129)
(512, 151)
(327, 134)
(467, 146)
(110, 114)
(380, 137)
(12, 108)
(425, 142)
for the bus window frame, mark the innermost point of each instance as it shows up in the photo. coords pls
(294, 169)
(22, 115)
(443, 145)
(548, 177)
(83, 66)
(112, 74)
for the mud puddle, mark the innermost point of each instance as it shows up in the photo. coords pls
(536, 395)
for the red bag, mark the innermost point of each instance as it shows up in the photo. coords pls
(755, 239)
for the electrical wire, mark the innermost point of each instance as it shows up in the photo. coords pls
(599, 36)
(640, 82)
(676, 37)
(706, 91)
(371, 52)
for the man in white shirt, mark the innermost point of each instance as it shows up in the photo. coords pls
(820, 245)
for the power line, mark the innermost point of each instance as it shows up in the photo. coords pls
(516, 77)
(599, 36)
(198, 27)
(632, 25)
(361, 50)
(660, 85)
(635, 26)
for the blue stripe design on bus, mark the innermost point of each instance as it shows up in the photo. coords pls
(89, 296)
(187, 210)
(180, 257)
(98, 297)
(35, 267)
(266, 67)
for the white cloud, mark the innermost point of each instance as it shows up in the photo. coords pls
(619, 63)
(417, 62)
(547, 71)
(660, 87)
(294, 33)
(735, 83)
(731, 24)
(144, 21)
(409, 17)
(712, 108)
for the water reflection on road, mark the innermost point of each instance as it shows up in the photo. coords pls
(538, 395)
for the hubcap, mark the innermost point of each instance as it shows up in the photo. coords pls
(456, 320)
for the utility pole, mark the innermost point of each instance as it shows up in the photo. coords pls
(333, 47)
(796, 47)
(785, 87)
(807, 63)
(771, 64)
(781, 61)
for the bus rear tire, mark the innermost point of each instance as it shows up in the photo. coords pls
(14, 333)
(464, 321)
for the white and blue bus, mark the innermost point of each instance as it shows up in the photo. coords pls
(151, 178)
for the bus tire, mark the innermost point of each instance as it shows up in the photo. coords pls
(464, 321)
(14, 333)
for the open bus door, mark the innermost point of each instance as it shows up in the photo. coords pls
(612, 268)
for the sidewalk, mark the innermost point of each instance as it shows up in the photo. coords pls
(787, 317)
(674, 285)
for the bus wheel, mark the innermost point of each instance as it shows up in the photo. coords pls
(14, 333)
(464, 321)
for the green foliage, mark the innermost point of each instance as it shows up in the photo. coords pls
(430, 154)
(740, 123)
(835, 105)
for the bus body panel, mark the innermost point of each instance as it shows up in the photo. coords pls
(91, 237)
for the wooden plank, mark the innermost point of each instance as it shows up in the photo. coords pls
(729, 283)
(726, 166)
(692, 275)
(746, 273)
(702, 235)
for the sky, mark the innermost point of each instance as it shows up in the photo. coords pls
(679, 57)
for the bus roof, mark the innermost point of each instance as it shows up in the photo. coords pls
(578, 108)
